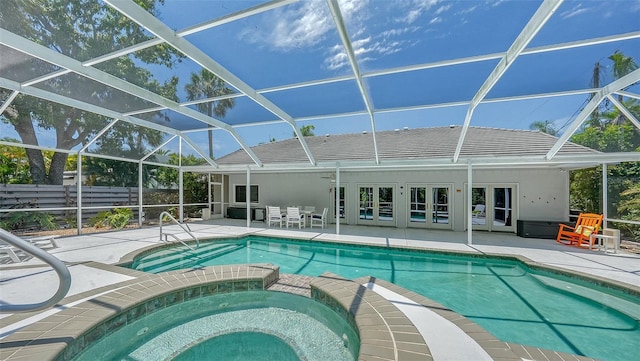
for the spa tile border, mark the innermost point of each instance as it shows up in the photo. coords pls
(498, 350)
(385, 332)
(63, 335)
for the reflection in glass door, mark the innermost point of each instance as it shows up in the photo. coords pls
(417, 205)
(342, 204)
(385, 204)
(479, 208)
(366, 203)
(376, 204)
(440, 206)
(502, 207)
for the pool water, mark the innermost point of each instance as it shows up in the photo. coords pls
(241, 346)
(247, 325)
(513, 303)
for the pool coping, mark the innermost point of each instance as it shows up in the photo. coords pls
(62, 335)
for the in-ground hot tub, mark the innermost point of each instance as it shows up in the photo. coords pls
(255, 325)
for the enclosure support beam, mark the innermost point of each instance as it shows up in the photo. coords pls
(605, 194)
(469, 201)
(140, 210)
(79, 191)
(180, 182)
(337, 191)
(248, 196)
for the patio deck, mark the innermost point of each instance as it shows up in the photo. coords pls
(90, 256)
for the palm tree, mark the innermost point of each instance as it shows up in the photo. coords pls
(622, 65)
(544, 126)
(207, 85)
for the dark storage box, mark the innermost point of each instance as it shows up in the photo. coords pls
(257, 214)
(538, 229)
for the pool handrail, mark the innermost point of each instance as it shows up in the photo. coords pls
(61, 269)
(165, 213)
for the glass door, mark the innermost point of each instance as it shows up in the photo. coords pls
(343, 216)
(501, 218)
(417, 206)
(440, 206)
(493, 207)
(429, 206)
(376, 205)
(479, 208)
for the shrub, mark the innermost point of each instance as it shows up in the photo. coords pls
(27, 220)
(99, 220)
(119, 217)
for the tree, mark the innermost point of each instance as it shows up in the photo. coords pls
(208, 85)
(544, 126)
(610, 132)
(622, 65)
(194, 184)
(306, 130)
(81, 29)
(127, 141)
(13, 167)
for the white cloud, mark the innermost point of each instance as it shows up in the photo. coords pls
(292, 27)
(575, 11)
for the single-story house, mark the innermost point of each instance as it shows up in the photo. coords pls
(407, 178)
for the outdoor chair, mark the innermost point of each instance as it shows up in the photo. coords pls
(319, 218)
(43, 241)
(579, 235)
(274, 216)
(478, 211)
(294, 216)
(7, 251)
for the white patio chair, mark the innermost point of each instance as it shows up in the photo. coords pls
(43, 241)
(6, 251)
(319, 218)
(294, 216)
(274, 216)
(478, 211)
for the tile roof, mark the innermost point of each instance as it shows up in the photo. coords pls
(407, 144)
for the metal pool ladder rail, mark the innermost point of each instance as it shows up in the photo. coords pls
(166, 235)
(61, 269)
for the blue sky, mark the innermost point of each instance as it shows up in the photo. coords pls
(299, 43)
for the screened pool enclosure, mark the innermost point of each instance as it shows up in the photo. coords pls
(146, 96)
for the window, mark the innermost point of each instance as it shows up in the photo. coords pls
(241, 194)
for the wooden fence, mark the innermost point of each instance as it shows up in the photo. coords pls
(29, 196)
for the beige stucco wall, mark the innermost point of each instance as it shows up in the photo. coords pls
(541, 194)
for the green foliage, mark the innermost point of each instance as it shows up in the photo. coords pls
(99, 220)
(117, 218)
(306, 130)
(28, 220)
(120, 217)
(194, 184)
(14, 168)
(82, 29)
(544, 126)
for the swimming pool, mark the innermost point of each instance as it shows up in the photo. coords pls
(246, 325)
(507, 298)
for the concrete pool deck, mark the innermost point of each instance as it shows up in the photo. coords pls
(86, 253)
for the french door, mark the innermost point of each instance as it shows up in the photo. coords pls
(377, 204)
(493, 207)
(430, 206)
(343, 200)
